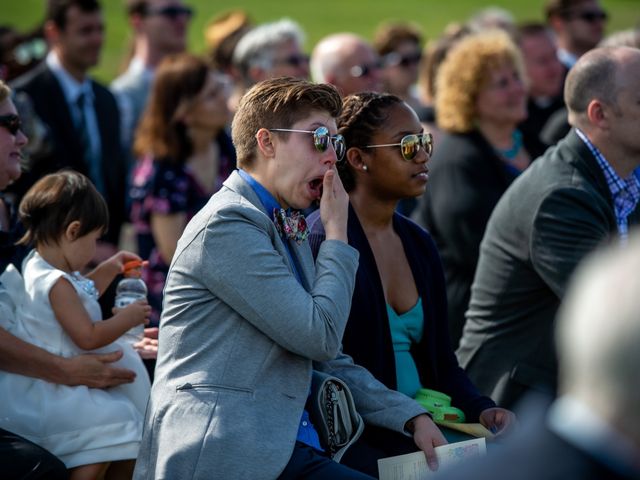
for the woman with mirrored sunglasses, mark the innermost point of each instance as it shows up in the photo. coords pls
(480, 100)
(397, 326)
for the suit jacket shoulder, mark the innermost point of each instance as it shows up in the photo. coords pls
(552, 216)
(50, 105)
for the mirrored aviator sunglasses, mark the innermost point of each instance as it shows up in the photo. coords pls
(410, 145)
(321, 139)
(11, 122)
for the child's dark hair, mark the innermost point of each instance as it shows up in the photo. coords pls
(57, 200)
(362, 114)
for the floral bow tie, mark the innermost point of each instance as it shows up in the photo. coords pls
(291, 225)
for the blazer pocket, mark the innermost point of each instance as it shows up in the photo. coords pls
(213, 388)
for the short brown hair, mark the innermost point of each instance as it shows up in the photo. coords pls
(178, 79)
(136, 7)
(531, 29)
(57, 200)
(561, 8)
(389, 36)
(466, 71)
(57, 10)
(278, 103)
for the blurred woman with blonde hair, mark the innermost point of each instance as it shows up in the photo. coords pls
(480, 99)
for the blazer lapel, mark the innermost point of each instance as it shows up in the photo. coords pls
(304, 257)
(302, 253)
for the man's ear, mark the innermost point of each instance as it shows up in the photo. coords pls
(598, 114)
(72, 231)
(51, 32)
(265, 144)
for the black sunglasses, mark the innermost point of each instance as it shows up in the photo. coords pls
(171, 11)
(321, 140)
(365, 70)
(590, 16)
(11, 122)
(294, 60)
(394, 59)
(410, 145)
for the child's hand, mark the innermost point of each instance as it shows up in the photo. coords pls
(137, 312)
(119, 259)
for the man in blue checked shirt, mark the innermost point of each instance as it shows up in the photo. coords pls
(578, 195)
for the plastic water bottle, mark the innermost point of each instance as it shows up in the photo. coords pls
(131, 289)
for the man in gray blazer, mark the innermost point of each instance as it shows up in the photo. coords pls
(580, 194)
(247, 315)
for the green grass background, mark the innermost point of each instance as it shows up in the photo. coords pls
(317, 17)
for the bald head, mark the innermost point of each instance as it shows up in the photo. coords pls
(600, 74)
(602, 95)
(599, 333)
(346, 61)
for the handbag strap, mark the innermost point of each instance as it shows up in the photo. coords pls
(331, 400)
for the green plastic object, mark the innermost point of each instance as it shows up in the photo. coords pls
(438, 404)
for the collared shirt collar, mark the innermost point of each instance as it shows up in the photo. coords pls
(625, 192)
(567, 58)
(138, 67)
(268, 201)
(583, 428)
(70, 86)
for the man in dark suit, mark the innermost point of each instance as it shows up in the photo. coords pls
(593, 430)
(546, 78)
(80, 114)
(580, 194)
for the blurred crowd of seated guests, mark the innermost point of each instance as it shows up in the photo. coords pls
(156, 143)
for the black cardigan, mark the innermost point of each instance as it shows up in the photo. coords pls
(367, 337)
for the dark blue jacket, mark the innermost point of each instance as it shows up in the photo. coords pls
(367, 337)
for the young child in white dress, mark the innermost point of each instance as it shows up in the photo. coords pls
(95, 432)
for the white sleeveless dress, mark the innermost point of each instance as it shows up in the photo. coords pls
(80, 425)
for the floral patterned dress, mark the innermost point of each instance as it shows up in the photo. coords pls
(165, 188)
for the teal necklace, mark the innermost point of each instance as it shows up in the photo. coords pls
(516, 144)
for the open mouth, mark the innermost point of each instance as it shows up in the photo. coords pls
(315, 186)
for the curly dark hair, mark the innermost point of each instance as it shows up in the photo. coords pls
(362, 114)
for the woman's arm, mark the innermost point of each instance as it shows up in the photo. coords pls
(75, 320)
(18, 356)
(166, 230)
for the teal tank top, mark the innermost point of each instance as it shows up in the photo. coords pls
(406, 329)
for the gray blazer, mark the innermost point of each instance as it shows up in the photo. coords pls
(239, 337)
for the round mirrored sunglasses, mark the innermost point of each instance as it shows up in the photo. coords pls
(410, 145)
(321, 139)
